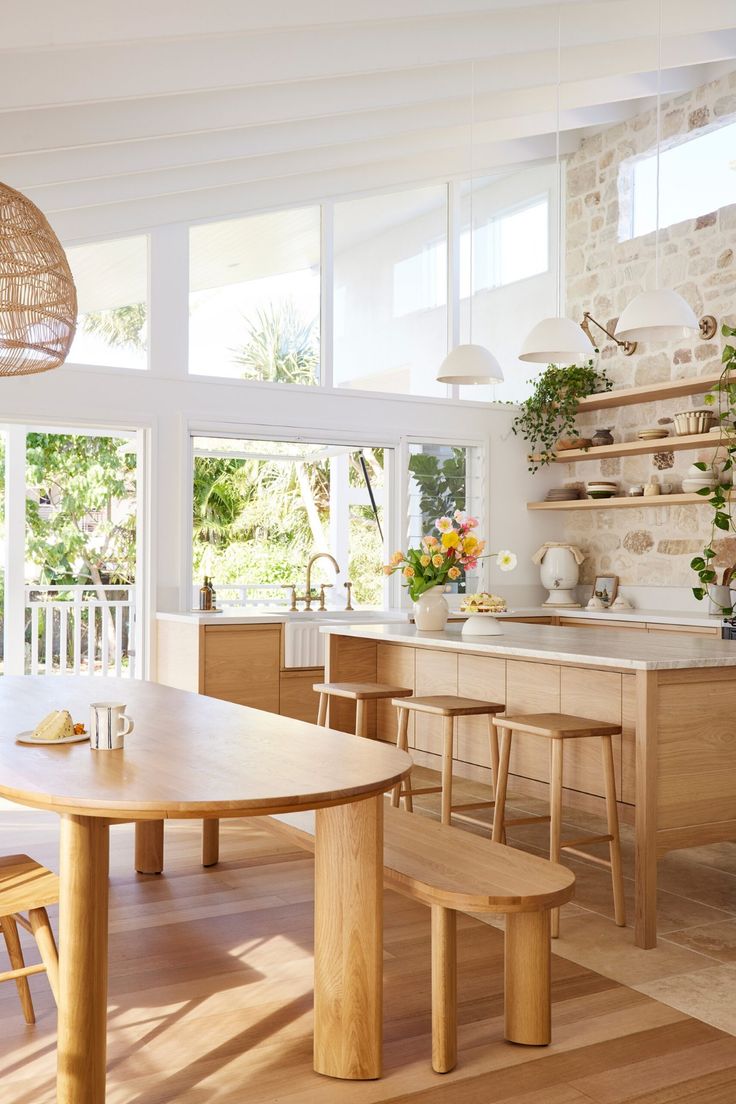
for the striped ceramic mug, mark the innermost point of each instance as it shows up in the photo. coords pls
(108, 726)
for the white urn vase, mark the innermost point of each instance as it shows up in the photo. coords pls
(559, 574)
(431, 610)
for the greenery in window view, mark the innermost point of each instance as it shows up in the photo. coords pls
(80, 509)
(119, 327)
(259, 521)
(441, 481)
(281, 347)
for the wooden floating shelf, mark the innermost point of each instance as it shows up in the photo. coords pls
(628, 396)
(639, 448)
(623, 502)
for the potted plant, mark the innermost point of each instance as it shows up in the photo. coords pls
(722, 396)
(550, 411)
(438, 561)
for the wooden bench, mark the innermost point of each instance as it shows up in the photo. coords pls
(455, 871)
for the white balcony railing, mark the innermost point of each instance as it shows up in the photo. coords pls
(80, 630)
(245, 594)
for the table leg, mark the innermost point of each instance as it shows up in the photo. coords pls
(527, 978)
(210, 842)
(348, 940)
(83, 897)
(149, 846)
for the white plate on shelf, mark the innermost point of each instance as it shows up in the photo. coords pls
(25, 738)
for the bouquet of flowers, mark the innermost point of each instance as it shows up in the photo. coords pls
(439, 559)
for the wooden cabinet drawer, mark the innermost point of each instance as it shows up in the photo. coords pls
(693, 630)
(594, 623)
(298, 699)
(241, 664)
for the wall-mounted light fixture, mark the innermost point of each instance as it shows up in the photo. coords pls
(628, 347)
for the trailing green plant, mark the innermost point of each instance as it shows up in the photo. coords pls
(723, 396)
(550, 411)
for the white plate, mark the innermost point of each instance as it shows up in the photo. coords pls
(25, 738)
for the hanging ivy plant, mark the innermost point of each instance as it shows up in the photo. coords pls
(722, 396)
(550, 411)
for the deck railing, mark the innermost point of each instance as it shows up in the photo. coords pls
(244, 594)
(80, 630)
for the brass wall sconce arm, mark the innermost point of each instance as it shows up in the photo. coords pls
(628, 347)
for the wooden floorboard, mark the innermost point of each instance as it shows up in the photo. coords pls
(211, 1000)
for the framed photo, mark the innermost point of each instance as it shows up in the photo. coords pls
(605, 587)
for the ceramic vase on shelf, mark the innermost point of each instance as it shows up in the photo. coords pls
(431, 610)
(559, 571)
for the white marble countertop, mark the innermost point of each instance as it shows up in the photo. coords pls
(616, 648)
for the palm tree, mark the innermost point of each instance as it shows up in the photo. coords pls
(119, 327)
(281, 347)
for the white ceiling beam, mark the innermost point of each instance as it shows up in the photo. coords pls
(90, 73)
(109, 220)
(52, 27)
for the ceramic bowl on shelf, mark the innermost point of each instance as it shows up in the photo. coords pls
(689, 422)
(566, 443)
(601, 494)
(653, 433)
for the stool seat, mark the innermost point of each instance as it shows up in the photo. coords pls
(556, 726)
(25, 884)
(26, 887)
(361, 691)
(449, 705)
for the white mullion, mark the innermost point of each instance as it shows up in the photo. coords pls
(327, 295)
(15, 538)
(454, 224)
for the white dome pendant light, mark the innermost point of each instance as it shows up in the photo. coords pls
(470, 364)
(662, 314)
(557, 340)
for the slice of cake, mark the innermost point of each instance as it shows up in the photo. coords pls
(58, 725)
(483, 603)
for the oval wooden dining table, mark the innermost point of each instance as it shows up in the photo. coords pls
(193, 756)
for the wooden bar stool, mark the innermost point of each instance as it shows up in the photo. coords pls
(360, 693)
(25, 886)
(449, 707)
(558, 727)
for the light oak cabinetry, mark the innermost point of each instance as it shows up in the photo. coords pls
(238, 663)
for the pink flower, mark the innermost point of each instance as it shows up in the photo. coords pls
(472, 523)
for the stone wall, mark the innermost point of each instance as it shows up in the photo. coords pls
(650, 546)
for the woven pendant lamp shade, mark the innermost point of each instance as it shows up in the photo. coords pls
(38, 300)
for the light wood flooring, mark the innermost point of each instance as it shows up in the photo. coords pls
(211, 987)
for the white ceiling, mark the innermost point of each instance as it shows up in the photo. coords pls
(116, 119)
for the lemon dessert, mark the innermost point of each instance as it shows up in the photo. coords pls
(58, 725)
(483, 603)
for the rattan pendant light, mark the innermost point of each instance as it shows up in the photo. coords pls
(38, 300)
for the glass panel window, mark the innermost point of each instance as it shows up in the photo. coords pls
(514, 260)
(112, 289)
(254, 297)
(442, 479)
(260, 509)
(696, 176)
(390, 292)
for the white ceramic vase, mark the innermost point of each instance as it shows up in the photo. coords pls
(560, 573)
(431, 610)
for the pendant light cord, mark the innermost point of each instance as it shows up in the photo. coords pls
(558, 164)
(472, 139)
(659, 142)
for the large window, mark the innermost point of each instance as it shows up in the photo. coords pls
(444, 478)
(254, 297)
(696, 176)
(112, 289)
(260, 509)
(390, 292)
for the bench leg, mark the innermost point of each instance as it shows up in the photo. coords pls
(15, 954)
(149, 846)
(46, 944)
(210, 842)
(527, 978)
(444, 989)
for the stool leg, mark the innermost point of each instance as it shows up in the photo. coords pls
(402, 743)
(617, 876)
(444, 989)
(555, 818)
(493, 741)
(15, 954)
(46, 943)
(360, 717)
(210, 842)
(448, 739)
(527, 978)
(322, 711)
(501, 784)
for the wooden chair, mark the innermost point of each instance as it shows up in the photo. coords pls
(27, 887)
(449, 707)
(558, 727)
(359, 692)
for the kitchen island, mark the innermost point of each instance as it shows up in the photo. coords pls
(674, 696)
